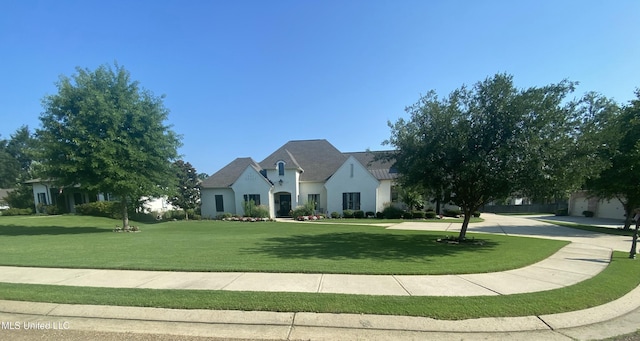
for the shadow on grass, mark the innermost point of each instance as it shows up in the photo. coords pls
(373, 246)
(15, 230)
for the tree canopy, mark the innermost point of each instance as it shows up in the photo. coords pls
(620, 179)
(489, 141)
(9, 167)
(187, 190)
(104, 132)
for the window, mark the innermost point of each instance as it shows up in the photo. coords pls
(219, 203)
(394, 194)
(351, 201)
(42, 198)
(281, 168)
(254, 197)
(315, 199)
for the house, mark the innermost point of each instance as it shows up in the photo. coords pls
(4, 192)
(581, 201)
(46, 193)
(299, 172)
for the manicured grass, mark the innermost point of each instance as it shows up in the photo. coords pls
(592, 292)
(88, 242)
(592, 228)
(369, 221)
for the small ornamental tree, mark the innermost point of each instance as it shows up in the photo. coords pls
(187, 190)
(104, 132)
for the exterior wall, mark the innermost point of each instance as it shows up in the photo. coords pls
(290, 184)
(41, 188)
(208, 200)
(602, 208)
(578, 203)
(252, 182)
(157, 205)
(307, 188)
(343, 181)
(384, 194)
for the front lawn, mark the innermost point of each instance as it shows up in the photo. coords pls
(89, 242)
(592, 292)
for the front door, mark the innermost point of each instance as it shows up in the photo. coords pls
(285, 205)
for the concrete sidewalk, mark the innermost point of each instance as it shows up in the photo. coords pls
(588, 254)
(570, 265)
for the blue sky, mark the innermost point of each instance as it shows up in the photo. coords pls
(242, 78)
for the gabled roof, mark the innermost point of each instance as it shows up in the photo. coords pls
(226, 176)
(381, 169)
(318, 159)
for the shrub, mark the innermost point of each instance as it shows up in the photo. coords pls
(392, 212)
(451, 213)
(174, 215)
(225, 215)
(407, 215)
(588, 214)
(48, 209)
(370, 214)
(379, 215)
(17, 211)
(335, 215)
(347, 214)
(302, 211)
(144, 217)
(109, 209)
(430, 214)
(358, 214)
(562, 212)
(476, 214)
(418, 214)
(260, 211)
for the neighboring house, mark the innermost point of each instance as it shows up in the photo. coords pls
(602, 208)
(46, 193)
(298, 172)
(3, 194)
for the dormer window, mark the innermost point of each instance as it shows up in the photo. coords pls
(281, 168)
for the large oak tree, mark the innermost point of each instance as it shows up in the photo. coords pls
(489, 141)
(104, 132)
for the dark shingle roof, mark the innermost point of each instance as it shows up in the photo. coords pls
(318, 159)
(226, 176)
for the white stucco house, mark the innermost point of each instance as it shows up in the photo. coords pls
(298, 172)
(46, 193)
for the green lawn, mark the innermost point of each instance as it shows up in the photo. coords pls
(592, 292)
(88, 242)
(75, 241)
(591, 228)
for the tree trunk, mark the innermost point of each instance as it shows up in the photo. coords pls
(125, 214)
(186, 215)
(465, 224)
(628, 213)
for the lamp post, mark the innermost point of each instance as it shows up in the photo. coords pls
(634, 242)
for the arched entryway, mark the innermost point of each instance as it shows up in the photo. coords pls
(282, 201)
